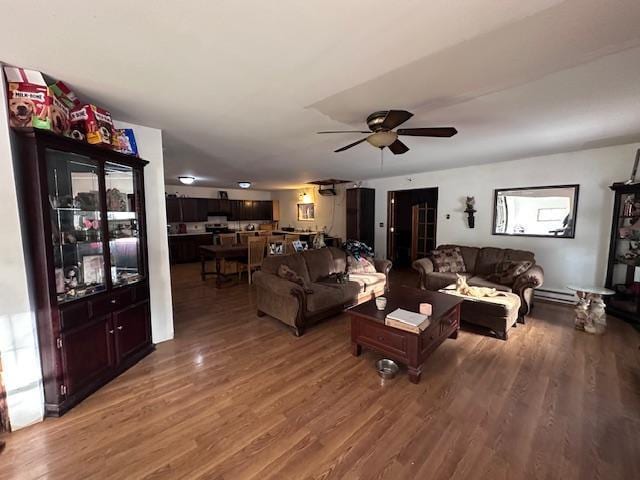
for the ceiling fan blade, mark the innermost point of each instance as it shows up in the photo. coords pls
(345, 131)
(398, 148)
(350, 145)
(428, 132)
(395, 118)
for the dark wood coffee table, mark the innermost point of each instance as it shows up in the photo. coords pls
(369, 331)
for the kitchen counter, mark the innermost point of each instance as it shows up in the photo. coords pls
(189, 233)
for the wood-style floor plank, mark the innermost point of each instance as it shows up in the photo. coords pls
(236, 396)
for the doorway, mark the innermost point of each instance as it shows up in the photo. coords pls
(411, 224)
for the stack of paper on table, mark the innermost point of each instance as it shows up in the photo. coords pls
(406, 320)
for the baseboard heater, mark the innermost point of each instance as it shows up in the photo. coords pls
(555, 296)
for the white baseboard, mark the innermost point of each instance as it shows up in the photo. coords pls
(555, 296)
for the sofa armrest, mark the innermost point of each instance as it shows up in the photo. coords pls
(276, 284)
(424, 266)
(524, 285)
(383, 266)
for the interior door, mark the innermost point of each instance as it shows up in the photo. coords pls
(422, 230)
(131, 329)
(87, 353)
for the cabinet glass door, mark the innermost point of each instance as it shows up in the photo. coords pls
(625, 273)
(76, 229)
(123, 218)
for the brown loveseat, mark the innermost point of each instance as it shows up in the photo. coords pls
(292, 305)
(481, 262)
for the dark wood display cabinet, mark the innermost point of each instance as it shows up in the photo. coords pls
(361, 215)
(83, 214)
(623, 270)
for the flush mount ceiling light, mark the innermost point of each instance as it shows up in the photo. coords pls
(187, 180)
(244, 184)
(382, 139)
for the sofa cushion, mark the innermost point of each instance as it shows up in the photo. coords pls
(319, 263)
(339, 259)
(325, 297)
(489, 257)
(448, 260)
(296, 263)
(288, 274)
(361, 265)
(438, 280)
(368, 281)
(483, 282)
(507, 271)
(469, 254)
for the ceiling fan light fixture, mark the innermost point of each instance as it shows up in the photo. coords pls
(244, 184)
(382, 139)
(186, 180)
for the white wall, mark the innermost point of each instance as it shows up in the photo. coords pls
(209, 192)
(149, 141)
(581, 260)
(330, 211)
(18, 340)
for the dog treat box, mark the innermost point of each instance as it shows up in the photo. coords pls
(92, 124)
(31, 102)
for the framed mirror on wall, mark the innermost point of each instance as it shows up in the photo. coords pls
(548, 211)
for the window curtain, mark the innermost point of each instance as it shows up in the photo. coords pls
(5, 426)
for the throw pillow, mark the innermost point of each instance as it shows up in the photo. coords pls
(448, 260)
(360, 265)
(506, 272)
(288, 274)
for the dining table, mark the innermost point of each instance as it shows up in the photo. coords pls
(219, 253)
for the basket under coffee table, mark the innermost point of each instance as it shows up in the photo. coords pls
(369, 331)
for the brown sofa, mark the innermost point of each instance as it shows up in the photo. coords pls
(288, 301)
(481, 262)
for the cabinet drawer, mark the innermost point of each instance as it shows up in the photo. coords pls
(384, 337)
(74, 315)
(110, 303)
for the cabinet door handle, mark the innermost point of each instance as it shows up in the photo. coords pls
(114, 301)
(111, 332)
(119, 327)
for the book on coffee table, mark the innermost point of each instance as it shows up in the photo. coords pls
(406, 320)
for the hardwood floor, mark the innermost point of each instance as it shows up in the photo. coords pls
(235, 396)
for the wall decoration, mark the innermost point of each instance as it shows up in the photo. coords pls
(306, 211)
(470, 211)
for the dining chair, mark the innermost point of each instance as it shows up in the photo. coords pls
(245, 236)
(291, 237)
(227, 239)
(264, 233)
(255, 255)
(275, 238)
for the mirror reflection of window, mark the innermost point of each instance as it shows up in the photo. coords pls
(536, 211)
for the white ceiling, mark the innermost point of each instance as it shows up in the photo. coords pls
(239, 88)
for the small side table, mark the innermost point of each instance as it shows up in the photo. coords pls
(590, 313)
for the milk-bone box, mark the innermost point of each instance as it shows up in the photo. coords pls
(34, 103)
(92, 124)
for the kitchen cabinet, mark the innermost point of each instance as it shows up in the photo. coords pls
(190, 210)
(87, 249)
(174, 214)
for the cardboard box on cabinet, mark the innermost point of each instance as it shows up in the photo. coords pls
(92, 124)
(32, 103)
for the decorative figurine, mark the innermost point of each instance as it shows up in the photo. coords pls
(470, 211)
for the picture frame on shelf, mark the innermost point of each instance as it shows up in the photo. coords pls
(223, 195)
(92, 269)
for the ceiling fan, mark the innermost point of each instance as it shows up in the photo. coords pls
(381, 125)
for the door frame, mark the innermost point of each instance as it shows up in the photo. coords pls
(391, 214)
